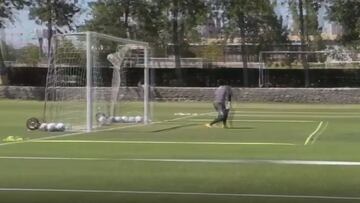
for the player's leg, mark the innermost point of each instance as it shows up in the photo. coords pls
(226, 114)
(219, 109)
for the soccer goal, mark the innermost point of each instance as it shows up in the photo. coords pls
(88, 86)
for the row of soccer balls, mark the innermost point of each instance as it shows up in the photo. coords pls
(120, 119)
(52, 127)
(60, 127)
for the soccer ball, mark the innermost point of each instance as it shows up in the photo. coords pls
(51, 127)
(60, 127)
(117, 119)
(124, 119)
(131, 119)
(102, 120)
(109, 120)
(43, 126)
(138, 119)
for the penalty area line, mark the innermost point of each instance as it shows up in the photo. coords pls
(204, 194)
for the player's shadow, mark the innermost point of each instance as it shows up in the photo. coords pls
(173, 128)
(239, 128)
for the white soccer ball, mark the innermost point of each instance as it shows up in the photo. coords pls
(51, 127)
(60, 127)
(138, 119)
(110, 119)
(102, 120)
(43, 126)
(124, 119)
(117, 119)
(131, 119)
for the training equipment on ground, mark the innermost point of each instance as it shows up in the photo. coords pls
(124, 119)
(131, 119)
(88, 75)
(9, 139)
(43, 126)
(117, 119)
(138, 119)
(13, 139)
(60, 127)
(33, 123)
(51, 127)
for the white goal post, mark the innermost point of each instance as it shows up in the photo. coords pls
(87, 82)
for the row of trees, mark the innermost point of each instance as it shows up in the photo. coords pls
(179, 22)
(54, 14)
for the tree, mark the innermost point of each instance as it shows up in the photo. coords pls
(115, 17)
(347, 14)
(9, 52)
(185, 15)
(29, 54)
(144, 21)
(181, 18)
(159, 22)
(153, 26)
(55, 14)
(7, 8)
(305, 15)
(254, 21)
(303, 45)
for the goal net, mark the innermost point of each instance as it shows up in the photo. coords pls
(88, 84)
(287, 68)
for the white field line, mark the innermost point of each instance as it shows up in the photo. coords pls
(204, 194)
(69, 134)
(321, 132)
(265, 121)
(238, 114)
(103, 130)
(300, 112)
(210, 161)
(313, 133)
(160, 142)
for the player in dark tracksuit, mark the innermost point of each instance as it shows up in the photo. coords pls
(222, 103)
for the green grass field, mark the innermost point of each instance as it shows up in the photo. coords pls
(272, 153)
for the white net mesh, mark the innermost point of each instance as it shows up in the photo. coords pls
(77, 97)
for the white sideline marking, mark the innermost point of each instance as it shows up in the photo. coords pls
(321, 132)
(209, 194)
(301, 112)
(102, 130)
(159, 142)
(265, 121)
(313, 133)
(239, 114)
(214, 161)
